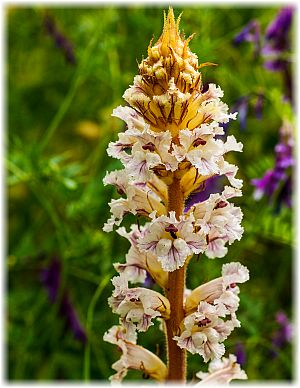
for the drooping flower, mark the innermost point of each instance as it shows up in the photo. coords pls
(134, 357)
(222, 371)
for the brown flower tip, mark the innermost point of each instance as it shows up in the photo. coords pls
(168, 91)
(171, 57)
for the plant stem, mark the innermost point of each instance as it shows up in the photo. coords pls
(174, 292)
(89, 321)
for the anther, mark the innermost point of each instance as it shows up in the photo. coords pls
(149, 146)
(172, 230)
(198, 142)
(204, 322)
(221, 204)
(120, 191)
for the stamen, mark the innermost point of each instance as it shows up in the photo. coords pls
(149, 146)
(204, 322)
(198, 142)
(221, 204)
(171, 228)
(120, 191)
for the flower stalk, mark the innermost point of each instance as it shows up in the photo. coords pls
(169, 150)
(175, 293)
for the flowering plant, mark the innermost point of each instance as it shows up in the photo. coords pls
(170, 148)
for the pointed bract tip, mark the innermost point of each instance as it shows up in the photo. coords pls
(170, 32)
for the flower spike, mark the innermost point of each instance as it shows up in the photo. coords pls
(170, 150)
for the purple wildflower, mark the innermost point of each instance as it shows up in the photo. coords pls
(60, 40)
(278, 180)
(240, 353)
(242, 106)
(149, 282)
(50, 278)
(277, 47)
(278, 30)
(258, 107)
(250, 33)
(283, 334)
(210, 186)
(67, 310)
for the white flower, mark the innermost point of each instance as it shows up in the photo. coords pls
(172, 241)
(215, 109)
(141, 200)
(137, 306)
(118, 207)
(139, 162)
(204, 331)
(134, 268)
(156, 146)
(222, 371)
(118, 178)
(200, 149)
(232, 145)
(131, 117)
(220, 220)
(230, 171)
(118, 148)
(232, 273)
(216, 246)
(136, 357)
(116, 334)
(139, 263)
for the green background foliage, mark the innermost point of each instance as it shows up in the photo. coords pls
(59, 125)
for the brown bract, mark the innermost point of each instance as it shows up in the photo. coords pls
(167, 93)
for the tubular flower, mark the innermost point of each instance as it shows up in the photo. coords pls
(222, 371)
(134, 357)
(204, 329)
(137, 306)
(172, 241)
(171, 146)
(232, 273)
